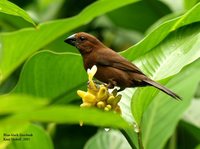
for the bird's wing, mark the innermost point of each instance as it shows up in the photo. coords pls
(112, 59)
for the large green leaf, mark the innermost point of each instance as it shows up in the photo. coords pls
(19, 103)
(179, 49)
(175, 6)
(52, 75)
(111, 139)
(27, 110)
(193, 112)
(193, 131)
(11, 128)
(39, 139)
(176, 51)
(28, 40)
(12, 9)
(190, 3)
(16, 103)
(68, 115)
(197, 147)
(162, 116)
(36, 112)
(159, 33)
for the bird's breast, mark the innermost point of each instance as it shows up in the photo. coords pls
(89, 61)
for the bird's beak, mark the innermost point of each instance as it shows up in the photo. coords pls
(71, 39)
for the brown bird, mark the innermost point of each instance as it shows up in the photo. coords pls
(112, 68)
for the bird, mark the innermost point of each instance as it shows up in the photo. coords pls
(112, 68)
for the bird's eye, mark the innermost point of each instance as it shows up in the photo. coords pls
(82, 38)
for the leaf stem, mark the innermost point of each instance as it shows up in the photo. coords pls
(139, 134)
(128, 138)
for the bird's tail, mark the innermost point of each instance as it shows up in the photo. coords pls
(162, 88)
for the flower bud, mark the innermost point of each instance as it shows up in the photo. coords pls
(114, 92)
(86, 104)
(86, 96)
(92, 86)
(91, 72)
(81, 93)
(101, 104)
(110, 99)
(118, 109)
(98, 95)
(102, 94)
(108, 107)
(117, 99)
(89, 98)
(93, 91)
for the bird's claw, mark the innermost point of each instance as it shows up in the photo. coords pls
(109, 85)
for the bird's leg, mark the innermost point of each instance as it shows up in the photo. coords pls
(111, 84)
(95, 81)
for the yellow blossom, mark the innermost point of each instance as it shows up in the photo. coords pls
(102, 93)
(98, 95)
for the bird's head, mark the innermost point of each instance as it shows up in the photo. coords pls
(84, 42)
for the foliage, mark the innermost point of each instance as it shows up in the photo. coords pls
(40, 74)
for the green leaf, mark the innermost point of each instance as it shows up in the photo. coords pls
(68, 115)
(33, 39)
(175, 6)
(12, 9)
(163, 114)
(190, 3)
(163, 110)
(191, 115)
(111, 139)
(39, 139)
(178, 50)
(52, 75)
(197, 147)
(9, 23)
(8, 129)
(192, 130)
(15, 103)
(125, 104)
(172, 54)
(56, 114)
(161, 32)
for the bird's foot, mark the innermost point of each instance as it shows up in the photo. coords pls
(111, 84)
(95, 81)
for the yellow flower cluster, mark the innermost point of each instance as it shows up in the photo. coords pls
(98, 95)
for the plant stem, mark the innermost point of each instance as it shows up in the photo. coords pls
(128, 138)
(140, 139)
